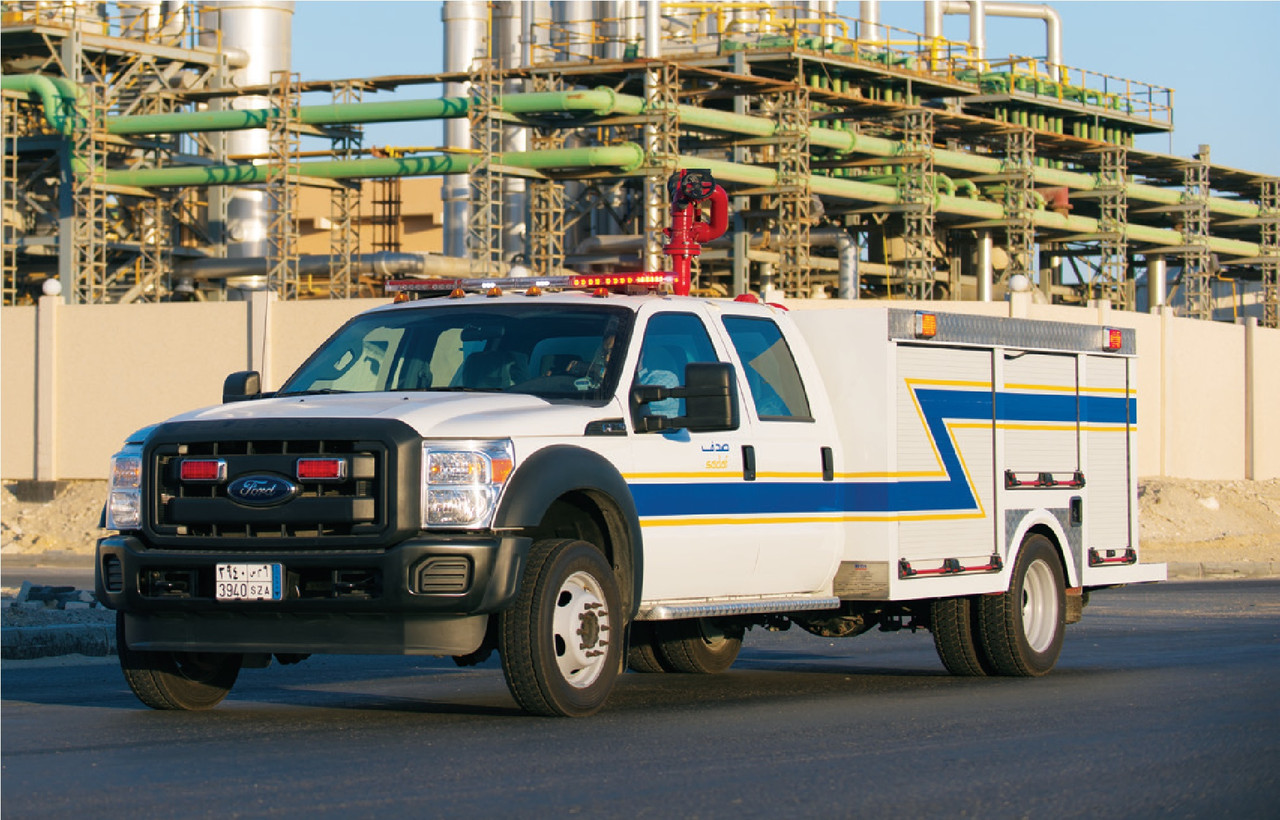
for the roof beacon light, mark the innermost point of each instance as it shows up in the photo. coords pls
(632, 283)
(926, 325)
(1113, 338)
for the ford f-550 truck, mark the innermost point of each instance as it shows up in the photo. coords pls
(589, 473)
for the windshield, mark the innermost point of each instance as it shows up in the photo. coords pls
(552, 351)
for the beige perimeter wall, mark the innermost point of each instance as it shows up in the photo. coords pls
(1206, 391)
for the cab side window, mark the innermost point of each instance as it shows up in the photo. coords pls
(772, 376)
(671, 341)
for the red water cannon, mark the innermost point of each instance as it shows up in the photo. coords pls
(688, 190)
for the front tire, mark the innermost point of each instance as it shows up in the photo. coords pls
(1022, 628)
(184, 681)
(561, 641)
(701, 646)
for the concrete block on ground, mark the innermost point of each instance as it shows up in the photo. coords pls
(26, 643)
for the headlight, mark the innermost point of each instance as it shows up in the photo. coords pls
(124, 497)
(462, 480)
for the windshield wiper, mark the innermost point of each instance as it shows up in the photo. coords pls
(323, 391)
(447, 390)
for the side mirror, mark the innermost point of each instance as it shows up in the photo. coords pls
(711, 400)
(242, 386)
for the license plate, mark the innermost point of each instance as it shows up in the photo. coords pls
(248, 582)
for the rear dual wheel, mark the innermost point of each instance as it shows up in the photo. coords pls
(700, 646)
(954, 625)
(1022, 629)
(1017, 633)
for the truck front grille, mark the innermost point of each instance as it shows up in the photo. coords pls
(357, 509)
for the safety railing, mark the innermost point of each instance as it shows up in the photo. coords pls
(1035, 78)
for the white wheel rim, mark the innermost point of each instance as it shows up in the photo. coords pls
(580, 630)
(1039, 606)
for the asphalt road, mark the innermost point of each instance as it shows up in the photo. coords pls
(1165, 703)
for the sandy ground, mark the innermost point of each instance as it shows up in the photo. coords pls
(1230, 522)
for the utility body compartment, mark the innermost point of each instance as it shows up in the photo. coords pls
(953, 447)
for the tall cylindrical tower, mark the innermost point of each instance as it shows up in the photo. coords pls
(263, 30)
(464, 40)
(508, 33)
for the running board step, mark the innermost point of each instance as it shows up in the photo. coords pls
(720, 609)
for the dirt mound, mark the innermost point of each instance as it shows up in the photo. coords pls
(66, 525)
(1227, 521)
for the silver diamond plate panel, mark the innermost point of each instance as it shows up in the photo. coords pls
(1075, 543)
(1024, 334)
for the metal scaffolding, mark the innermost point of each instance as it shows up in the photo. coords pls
(941, 151)
(155, 244)
(1113, 280)
(344, 201)
(1018, 200)
(1197, 281)
(282, 185)
(662, 148)
(917, 192)
(87, 238)
(1269, 214)
(546, 196)
(484, 228)
(793, 196)
(10, 213)
(385, 195)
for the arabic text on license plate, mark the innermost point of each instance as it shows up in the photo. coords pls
(247, 582)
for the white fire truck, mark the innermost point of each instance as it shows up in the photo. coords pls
(589, 479)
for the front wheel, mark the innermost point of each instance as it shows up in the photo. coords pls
(561, 641)
(186, 681)
(1022, 628)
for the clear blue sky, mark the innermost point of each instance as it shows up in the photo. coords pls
(1221, 58)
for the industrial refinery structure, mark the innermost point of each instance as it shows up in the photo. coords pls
(154, 151)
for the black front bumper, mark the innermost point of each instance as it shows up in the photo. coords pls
(423, 596)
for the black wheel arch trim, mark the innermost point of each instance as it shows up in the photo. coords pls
(552, 472)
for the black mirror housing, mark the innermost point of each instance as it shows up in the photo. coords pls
(711, 400)
(710, 397)
(242, 385)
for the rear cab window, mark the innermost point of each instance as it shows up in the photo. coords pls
(777, 391)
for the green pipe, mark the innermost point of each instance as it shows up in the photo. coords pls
(239, 120)
(605, 102)
(52, 100)
(625, 156)
(599, 102)
(938, 180)
(846, 142)
(956, 206)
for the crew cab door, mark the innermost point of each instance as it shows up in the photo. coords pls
(687, 485)
(793, 445)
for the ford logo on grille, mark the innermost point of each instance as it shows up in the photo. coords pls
(261, 490)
